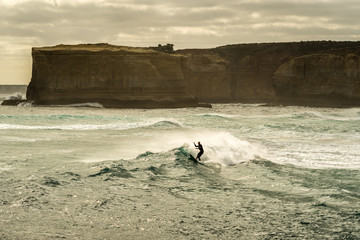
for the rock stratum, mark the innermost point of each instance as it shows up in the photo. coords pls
(113, 76)
(323, 73)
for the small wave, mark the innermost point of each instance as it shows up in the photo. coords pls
(217, 115)
(146, 154)
(64, 117)
(156, 170)
(26, 104)
(313, 114)
(183, 151)
(70, 127)
(18, 139)
(14, 96)
(116, 126)
(348, 115)
(117, 171)
(268, 164)
(51, 182)
(90, 105)
(289, 127)
(4, 169)
(166, 124)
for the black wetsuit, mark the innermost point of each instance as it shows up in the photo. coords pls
(200, 147)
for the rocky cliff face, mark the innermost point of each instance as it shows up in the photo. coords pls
(113, 76)
(320, 77)
(305, 73)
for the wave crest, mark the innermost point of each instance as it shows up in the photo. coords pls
(14, 96)
(167, 124)
(224, 149)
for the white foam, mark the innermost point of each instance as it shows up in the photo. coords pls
(4, 169)
(70, 127)
(222, 147)
(225, 149)
(14, 96)
(222, 115)
(89, 104)
(25, 104)
(114, 126)
(351, 114)
(219, 147)
(17, 139)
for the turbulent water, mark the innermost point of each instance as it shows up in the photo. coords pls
(93, 173)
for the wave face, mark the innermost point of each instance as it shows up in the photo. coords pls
(267, 172)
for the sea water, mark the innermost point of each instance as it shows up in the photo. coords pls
(85, 172)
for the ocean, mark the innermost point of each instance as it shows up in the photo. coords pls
(85, 172)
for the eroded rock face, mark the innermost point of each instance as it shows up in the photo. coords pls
(327, 76)
(113, 76)
(207, 76)
(305, 73)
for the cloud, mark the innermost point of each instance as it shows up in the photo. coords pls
(186, 23)
(50, 21)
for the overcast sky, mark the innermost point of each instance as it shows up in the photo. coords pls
(184, 23)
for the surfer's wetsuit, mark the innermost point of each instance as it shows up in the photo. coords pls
(200, 147)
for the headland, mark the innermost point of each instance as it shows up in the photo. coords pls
(314, 73)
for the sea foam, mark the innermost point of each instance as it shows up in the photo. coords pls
(14, 96)
(226, 149)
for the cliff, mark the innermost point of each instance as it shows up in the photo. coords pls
(323, 73)
(114, 76)
(327, 79)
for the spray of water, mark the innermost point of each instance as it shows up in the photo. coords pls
(225, 149)
(220, 148)
(14, 96)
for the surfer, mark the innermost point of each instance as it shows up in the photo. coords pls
(200, 147)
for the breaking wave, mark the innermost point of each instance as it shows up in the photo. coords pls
(89, 105)
(225, 149)
(14, 96)
(164, 124)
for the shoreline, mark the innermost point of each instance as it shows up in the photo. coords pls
(168, 105)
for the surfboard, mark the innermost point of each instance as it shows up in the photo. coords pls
(191, 157)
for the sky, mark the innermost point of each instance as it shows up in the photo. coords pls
(185, 23)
